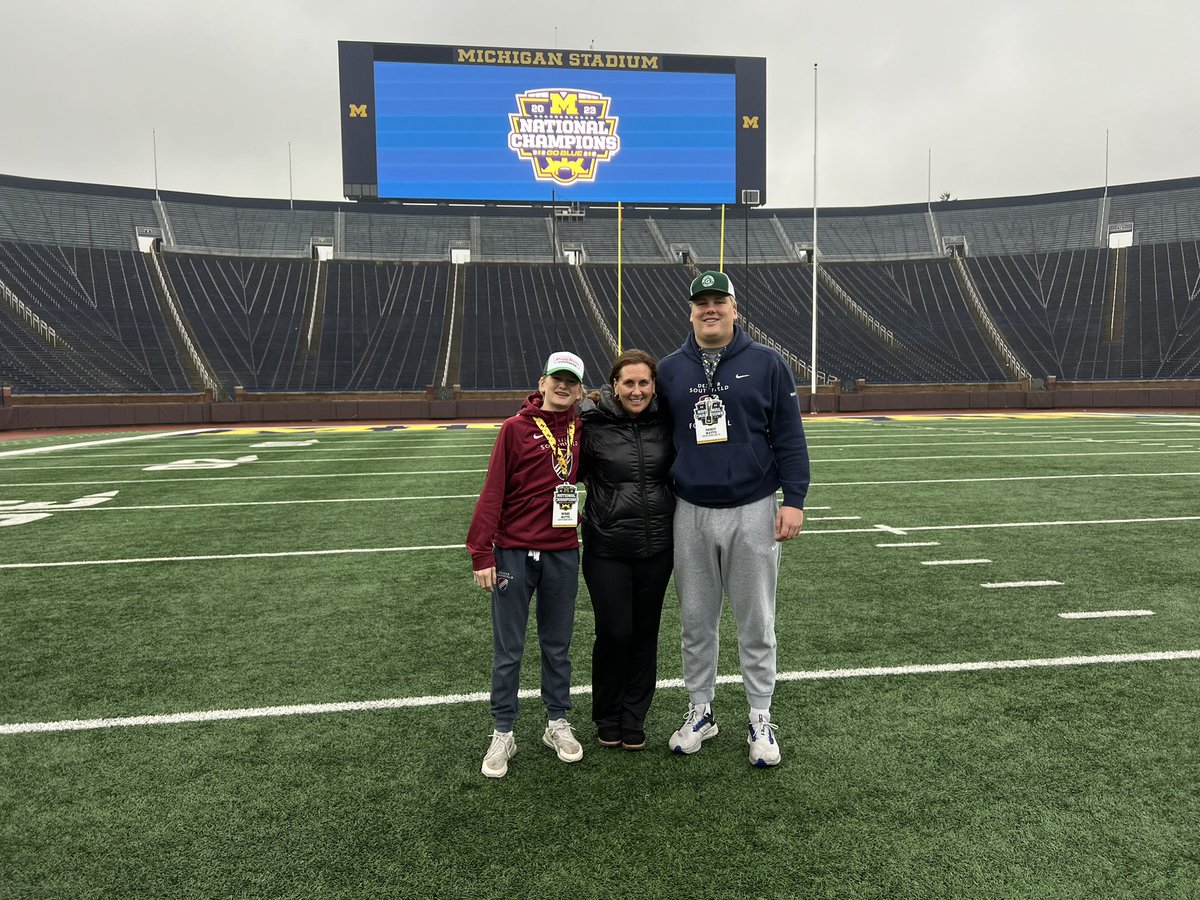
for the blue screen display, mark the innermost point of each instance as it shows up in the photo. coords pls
(459, 132)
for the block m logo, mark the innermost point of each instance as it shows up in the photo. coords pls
(749, 121)
(563, 103)
(359, 111)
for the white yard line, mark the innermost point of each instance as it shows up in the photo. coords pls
(225, 556)
(826, 484)
(1040, 439)
(985, 525)
(260, 462)
(833, 518)
(340, 447)
(1020, 584)
(262, 712)
(954, 562)
(160, 506)
(818, 484)
(820, 461)
(153, 436)
(225, 439)
(325, 475)
(875, 530)
(958, 456)
(1107, 614)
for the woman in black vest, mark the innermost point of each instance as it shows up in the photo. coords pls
(627, 545)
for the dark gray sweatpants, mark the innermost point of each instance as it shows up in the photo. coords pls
(727, 552)
(554, 577)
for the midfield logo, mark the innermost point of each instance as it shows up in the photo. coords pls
(564, 132)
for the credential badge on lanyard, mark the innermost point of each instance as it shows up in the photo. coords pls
(709, 412)
(709, 415)
(565, 508)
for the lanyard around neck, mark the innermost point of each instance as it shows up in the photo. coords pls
(564, 466)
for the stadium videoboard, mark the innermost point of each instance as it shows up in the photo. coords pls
(438, 122)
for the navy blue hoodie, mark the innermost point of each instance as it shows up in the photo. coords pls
(766, 448)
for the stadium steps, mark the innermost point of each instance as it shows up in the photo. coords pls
(1102, 221)
(1050, 308)
(873, 325)
(786, 242)
(339, 233)
(1007, 357)
(651, 316)
(314, 312)
(96, 300)
(476, 238)
(593, 311)
(1162, 334)
(1114, 294)
(656, 233)
(935, 239)
(386, 327)
(164, 222)
(923, 305)
(446, 369)
(199, 372)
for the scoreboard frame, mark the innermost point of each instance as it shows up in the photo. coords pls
(727, 148)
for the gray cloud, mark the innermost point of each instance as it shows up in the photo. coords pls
(1012, 98)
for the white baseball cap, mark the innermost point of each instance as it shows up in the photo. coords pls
(562, 361)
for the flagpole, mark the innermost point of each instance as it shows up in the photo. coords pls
(154, 139)
(812, 369)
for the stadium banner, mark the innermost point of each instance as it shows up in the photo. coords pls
(468, 123)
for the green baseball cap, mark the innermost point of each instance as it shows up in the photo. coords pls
(711, 281)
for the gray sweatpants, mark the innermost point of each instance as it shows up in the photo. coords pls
(727, 551)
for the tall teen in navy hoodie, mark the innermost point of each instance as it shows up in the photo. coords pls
(738, 438)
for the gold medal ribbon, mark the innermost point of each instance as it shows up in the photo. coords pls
(564, 465)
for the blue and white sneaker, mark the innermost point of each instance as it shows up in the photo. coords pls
(764, 748)
(697, 728)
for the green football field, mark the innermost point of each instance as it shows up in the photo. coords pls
(252, 662)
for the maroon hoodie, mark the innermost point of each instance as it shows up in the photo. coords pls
(516, 504)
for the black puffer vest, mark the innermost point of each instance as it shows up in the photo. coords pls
(627, 468)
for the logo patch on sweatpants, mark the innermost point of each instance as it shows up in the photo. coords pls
(502, 580)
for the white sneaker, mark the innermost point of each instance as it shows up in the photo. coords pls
(697, 728)
(764, 748)
(503, 748)
(559, 737)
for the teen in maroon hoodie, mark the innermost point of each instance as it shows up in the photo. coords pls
(523, 540)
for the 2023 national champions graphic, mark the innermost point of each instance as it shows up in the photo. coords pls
(566, 133)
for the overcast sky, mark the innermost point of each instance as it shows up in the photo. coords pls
(1012, 97)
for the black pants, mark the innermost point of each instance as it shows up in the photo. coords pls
(627, 596)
